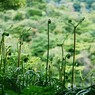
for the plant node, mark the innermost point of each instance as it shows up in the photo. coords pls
(49, 21)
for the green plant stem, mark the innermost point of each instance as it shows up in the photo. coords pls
(49, 75)
(1, 63)
(19, 55)
(91, 80)
(60, 75)
(61, 64)
(62, 58)
(3, 54)
(4, 60)
(74, 57)
(47, 56)
(3, 91)
(19, 51)
(64, 72)
(23, 74)
(73, 69)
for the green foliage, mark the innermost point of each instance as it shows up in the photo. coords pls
(19, 16)
(77, 6)
(10, 92)
(37, 90)
(39, 47)
(32, 12)
(93, 6)
(12, 4)
(88, 3)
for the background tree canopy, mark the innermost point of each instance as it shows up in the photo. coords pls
(12, 4)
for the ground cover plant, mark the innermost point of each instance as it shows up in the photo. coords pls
(47, 47)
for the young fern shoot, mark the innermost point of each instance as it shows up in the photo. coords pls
(49, 22)
(3, 51)
(74, 30)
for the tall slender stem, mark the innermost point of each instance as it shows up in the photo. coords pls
(3, 53)
(23, 74)
(62, 57)
(73, 69)
(64, 72)
(49, 21)
(62, 62)
(19, 54)
(19, 51)
(74, 57)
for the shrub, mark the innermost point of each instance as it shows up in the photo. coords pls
(93, 6)
(77, 6)
(19, 16)
(12, 4)
(32, 12)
